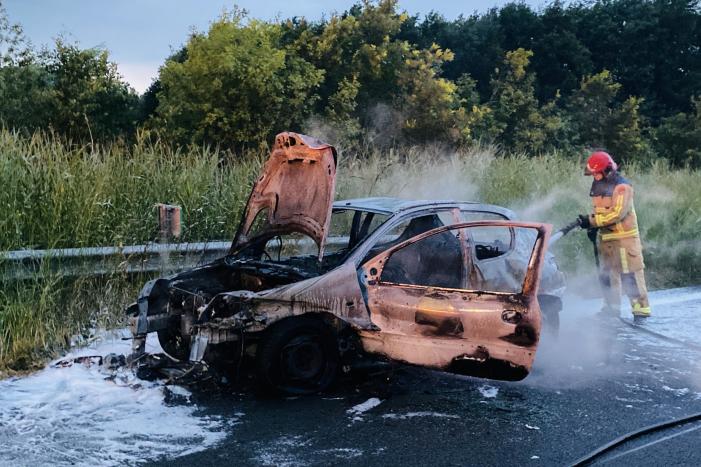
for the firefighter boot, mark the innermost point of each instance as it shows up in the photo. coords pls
(638, 298)
(640, 313)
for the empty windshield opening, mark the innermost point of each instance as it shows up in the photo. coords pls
(347, 229)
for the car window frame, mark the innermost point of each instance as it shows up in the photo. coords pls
(512, 240)
(371, 241)
(350, 256)
(365, 246)
(462, 225)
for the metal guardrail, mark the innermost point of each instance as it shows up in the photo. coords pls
(150, 257)
(129, 259)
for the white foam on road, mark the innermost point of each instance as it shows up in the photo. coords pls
(365, 406)
(282, 452)
(404, 416)
(487, 391)
(75, 416)
(356, 412)
(298, 451)
(677, 391)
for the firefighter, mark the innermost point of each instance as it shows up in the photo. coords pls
(619, 240)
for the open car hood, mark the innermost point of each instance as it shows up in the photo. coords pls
(294, 193)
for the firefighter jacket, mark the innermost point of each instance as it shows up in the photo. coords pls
(614, 213)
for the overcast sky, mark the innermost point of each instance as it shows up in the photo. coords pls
(140, 34)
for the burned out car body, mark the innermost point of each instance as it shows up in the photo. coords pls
(441, 284)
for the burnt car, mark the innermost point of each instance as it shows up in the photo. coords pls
(309, 285)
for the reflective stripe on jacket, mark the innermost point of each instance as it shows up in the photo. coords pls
(614, 213)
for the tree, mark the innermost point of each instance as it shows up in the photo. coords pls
(603, 122)
(560, 58)
(148, 101)
(678, 138)
(27, 99)
(428, 103)
(90, 98)
(360, 46)
(237, 86)
(520, 123)
(14, 46)
(652, 47)
(78, 93)
(475, 120)
(376, 80)
(25, 93)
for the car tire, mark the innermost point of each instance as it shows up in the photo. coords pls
(550, 307)
(297, 356)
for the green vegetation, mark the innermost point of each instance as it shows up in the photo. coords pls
(55, 195)
(624, 75)
(45, 315)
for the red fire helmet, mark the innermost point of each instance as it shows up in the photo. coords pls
(600, 162)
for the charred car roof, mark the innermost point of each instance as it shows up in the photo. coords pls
(390, 206)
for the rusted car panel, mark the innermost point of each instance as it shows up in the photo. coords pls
(488, 333)
(409, 280)
(295, 190)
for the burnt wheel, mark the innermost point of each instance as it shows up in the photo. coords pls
(173, 342)
(297, 356)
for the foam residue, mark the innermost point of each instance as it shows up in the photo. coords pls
(281, 452)
(82, 415)
(342, 453)
(294, 451)
(488, 392)
(677, 391)
(358, 410)
(404, 416)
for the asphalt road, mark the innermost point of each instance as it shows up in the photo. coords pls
(597, 380)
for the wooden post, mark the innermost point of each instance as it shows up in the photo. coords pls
(168, 229)
(168, 222)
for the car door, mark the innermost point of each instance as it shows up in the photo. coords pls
(432, 307)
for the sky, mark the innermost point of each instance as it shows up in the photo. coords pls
(140, 34)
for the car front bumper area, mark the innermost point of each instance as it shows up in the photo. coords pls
(152, 313)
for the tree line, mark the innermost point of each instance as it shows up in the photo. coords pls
(624, 75)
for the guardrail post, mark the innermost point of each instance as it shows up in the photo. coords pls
(168, 228)
(168, 222)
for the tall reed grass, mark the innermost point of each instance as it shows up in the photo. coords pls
(56, 195)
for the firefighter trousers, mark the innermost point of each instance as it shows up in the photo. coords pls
(622, 264)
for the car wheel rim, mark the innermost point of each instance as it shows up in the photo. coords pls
(303, 360)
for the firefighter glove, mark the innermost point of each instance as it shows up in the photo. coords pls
(584, 221)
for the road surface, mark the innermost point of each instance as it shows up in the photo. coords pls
(596, 381)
